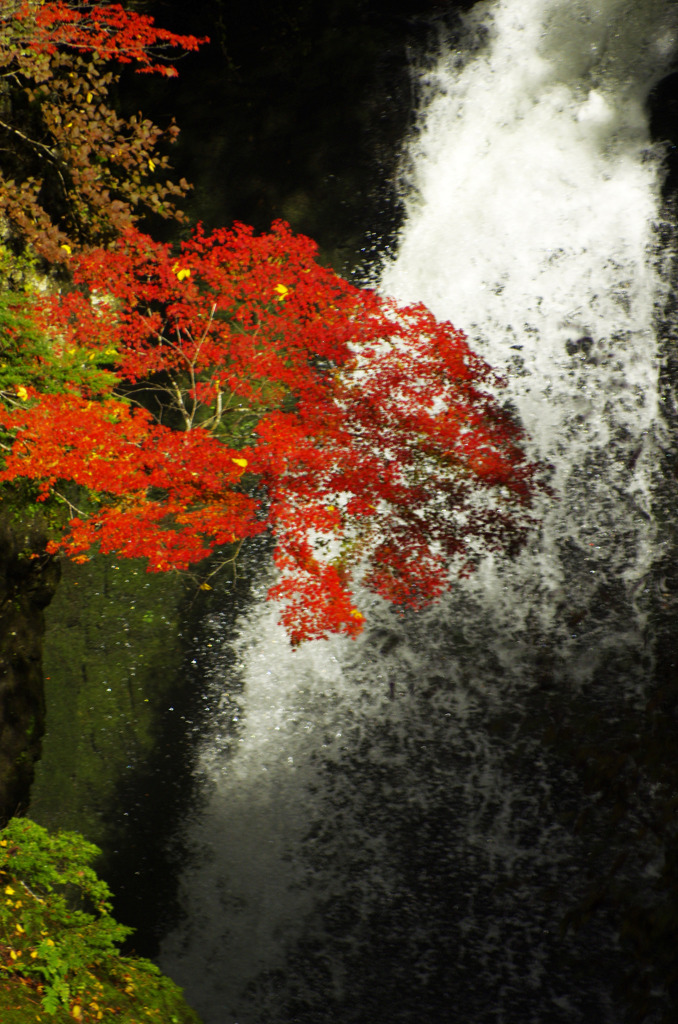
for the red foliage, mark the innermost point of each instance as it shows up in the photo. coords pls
(94, 26)
(256, 390)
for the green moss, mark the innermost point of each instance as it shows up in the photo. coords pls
(112, 654)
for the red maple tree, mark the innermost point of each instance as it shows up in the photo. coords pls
(234, 386)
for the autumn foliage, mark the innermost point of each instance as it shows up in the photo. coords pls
(73, 171)
(234, 386)
(179, 400)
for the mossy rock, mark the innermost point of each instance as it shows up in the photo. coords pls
(28, 579)
(112, 654)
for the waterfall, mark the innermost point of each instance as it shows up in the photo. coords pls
(382, 834)
(534, 193)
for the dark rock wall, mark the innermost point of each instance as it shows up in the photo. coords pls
(297, 111)
(28, 580)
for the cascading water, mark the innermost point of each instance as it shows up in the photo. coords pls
(535, 198)
(384, 834)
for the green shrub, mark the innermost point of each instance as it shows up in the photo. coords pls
(59, 941)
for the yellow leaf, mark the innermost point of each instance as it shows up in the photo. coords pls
(282, 290)
(67, 249)
(240, 462)
(89, 97)
(205, 586)
(151, 165)
(356, 614)
(76, 1012)
(183, 274)
(9, 890)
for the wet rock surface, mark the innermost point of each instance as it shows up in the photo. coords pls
(28, 580)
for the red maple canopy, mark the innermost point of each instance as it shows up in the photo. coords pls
(234, 386)
(90, 26)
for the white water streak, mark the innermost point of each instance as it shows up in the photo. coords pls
(533, 199)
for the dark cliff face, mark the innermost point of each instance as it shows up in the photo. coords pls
(297, 111)
(663, 109)
(28, 581)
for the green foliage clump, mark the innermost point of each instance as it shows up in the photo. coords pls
(59, 941)
(31, 359)
(31, 362)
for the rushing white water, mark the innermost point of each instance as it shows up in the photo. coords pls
(534, 195)
(369, 848)
(532, 205)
